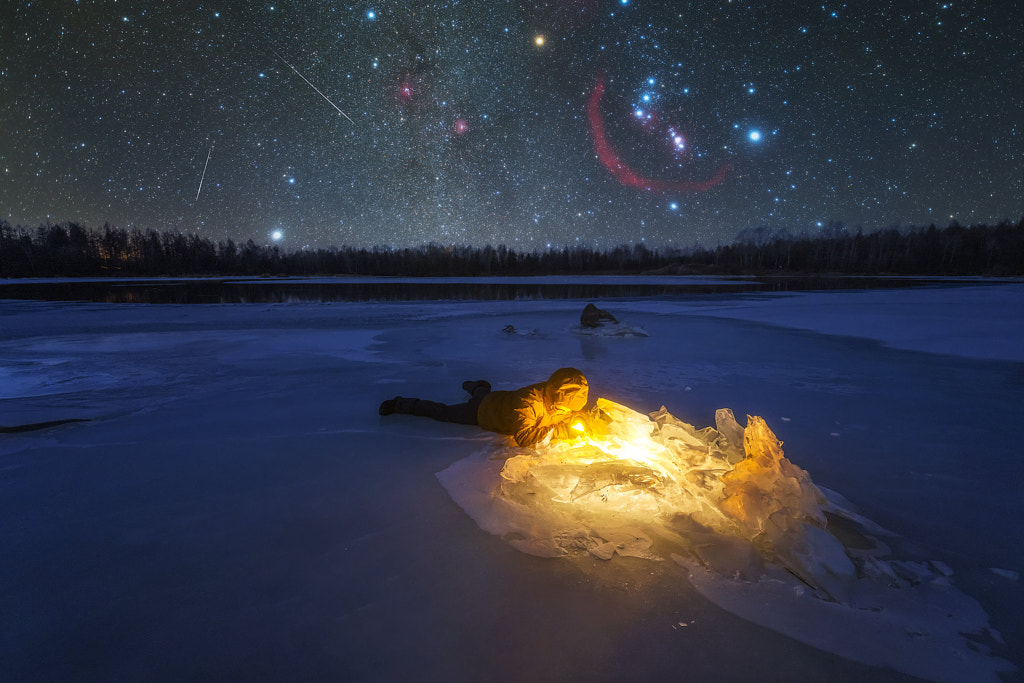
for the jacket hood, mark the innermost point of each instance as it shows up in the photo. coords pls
(567, 387)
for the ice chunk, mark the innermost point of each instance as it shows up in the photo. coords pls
(727, 426)
(818, 558)
(600, 476)
(766, 482)
(725, 555)
(917, 630)
(625, 541)
(757, 536)
(630, 543)
(1005, 573)
(655, 471)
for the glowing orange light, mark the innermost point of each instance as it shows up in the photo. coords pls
(539, 41)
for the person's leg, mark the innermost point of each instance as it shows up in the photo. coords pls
(461, 413)
(431, 409)
(465, 413)
(407, 406)
(477, 393)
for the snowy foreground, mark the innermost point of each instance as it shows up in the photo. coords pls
(235, 509)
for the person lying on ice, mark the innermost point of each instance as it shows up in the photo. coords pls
(527, 415)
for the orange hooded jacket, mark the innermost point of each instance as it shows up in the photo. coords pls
(528, 414)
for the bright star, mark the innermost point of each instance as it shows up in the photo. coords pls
(371, 15)
(277, 235)
(539, 41)
(754, 135)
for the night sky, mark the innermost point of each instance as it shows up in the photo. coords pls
(568, 122)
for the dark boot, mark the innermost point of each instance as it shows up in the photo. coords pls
(471, 386)
(405, 406)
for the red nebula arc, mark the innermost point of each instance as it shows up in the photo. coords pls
(627, 176)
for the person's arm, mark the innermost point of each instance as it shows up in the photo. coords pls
(573, 425)
(531, 435)
(533, 424)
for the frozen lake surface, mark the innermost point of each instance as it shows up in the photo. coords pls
(236, 509)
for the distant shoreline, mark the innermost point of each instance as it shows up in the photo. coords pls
(237, 290)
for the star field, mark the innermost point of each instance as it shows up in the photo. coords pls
(593, 122)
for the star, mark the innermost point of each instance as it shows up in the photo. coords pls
(457, 134)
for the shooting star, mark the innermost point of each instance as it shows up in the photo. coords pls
(313, 86)
(210, 154)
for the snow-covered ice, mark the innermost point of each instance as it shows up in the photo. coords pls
(236, 508)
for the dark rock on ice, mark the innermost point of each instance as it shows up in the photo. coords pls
(593, 316)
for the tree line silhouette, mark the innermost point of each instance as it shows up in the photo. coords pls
(71, 250)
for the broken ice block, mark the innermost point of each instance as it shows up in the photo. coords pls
(727, 426)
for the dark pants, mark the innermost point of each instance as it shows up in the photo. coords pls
(461, 413)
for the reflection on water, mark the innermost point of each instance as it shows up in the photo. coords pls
(226, 291)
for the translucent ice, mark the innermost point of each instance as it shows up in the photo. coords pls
(756, 535)
(661, 474)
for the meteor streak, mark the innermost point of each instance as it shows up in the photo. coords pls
(210, 154)
(312, 86)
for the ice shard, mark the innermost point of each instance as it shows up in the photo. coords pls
(754, 533)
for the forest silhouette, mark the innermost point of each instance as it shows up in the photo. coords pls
(72, 250)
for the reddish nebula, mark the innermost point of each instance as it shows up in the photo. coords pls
(610, 159)
(460, 127)
(407, 90)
